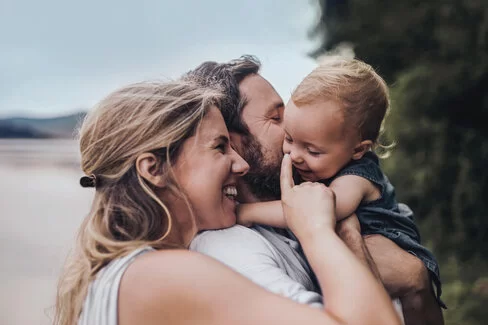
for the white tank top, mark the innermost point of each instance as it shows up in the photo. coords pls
(100, 306)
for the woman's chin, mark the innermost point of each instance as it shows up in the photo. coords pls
(228, 216)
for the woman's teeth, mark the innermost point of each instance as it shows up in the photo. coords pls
(230, 191)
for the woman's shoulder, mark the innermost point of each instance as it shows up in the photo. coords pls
(162, 272)
(165, 284)
(153, 282)
(184, 287)
(160, 263)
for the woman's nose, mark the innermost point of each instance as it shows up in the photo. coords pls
(239, 165)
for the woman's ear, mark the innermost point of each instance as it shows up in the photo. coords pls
(361, 149)
(150, 167)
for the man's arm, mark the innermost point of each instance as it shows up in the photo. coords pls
(349, 231)
(249, 253)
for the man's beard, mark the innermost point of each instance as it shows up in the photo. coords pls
(263, 177)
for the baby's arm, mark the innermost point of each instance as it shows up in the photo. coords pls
(265, 213)
(350, 191)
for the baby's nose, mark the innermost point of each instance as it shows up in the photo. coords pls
(295, 157)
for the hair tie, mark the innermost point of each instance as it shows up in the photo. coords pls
(88, 181)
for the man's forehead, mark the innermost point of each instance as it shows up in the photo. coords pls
(255, 88)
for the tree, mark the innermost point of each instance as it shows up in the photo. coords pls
(434, 55)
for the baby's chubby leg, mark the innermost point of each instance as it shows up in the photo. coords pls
(405, 276)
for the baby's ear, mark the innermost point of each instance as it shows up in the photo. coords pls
(150, 167)
(361, 149)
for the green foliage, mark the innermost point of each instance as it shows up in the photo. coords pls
(465, 291)
(434, 54)
(438, 166)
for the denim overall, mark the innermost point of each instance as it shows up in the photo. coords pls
(388, 218)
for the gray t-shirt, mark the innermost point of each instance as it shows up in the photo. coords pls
(265, 257)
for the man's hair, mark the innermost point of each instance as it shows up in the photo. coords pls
(263, 178)
(227, 77)
(361, 92)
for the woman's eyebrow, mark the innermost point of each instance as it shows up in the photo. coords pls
(221, 138)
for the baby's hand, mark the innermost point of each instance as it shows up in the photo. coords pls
(308, 207)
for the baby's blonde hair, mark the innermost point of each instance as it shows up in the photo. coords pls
(355, 86)
(126, 213)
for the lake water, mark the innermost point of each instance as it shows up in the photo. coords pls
(41, 207)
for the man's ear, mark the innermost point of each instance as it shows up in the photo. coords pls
(151, 169)
(361, 149)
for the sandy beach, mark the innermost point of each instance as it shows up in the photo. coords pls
(42, 205)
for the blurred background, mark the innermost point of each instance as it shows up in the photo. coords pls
(58, 58)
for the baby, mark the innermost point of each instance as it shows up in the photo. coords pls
(332, 124)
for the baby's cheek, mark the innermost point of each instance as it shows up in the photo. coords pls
(322, 171)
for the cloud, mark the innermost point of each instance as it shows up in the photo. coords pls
(59, 56)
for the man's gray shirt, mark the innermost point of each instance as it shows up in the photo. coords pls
(265, 257)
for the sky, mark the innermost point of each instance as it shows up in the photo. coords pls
(61, 56)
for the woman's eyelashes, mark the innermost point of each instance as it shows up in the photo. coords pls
(222, 147)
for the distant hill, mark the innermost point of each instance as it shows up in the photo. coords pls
(57, 127)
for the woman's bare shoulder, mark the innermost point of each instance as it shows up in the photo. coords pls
(171, 266)
(183, 287)
(157, 283)
(164, 256)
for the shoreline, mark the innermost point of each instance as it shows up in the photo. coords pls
(42, 208)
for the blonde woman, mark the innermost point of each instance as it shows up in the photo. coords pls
(159, 157)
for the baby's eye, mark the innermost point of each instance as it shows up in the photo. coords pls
(288, 139)
(313, 153)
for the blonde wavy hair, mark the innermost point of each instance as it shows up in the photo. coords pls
(126, 213)
(354, 84)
